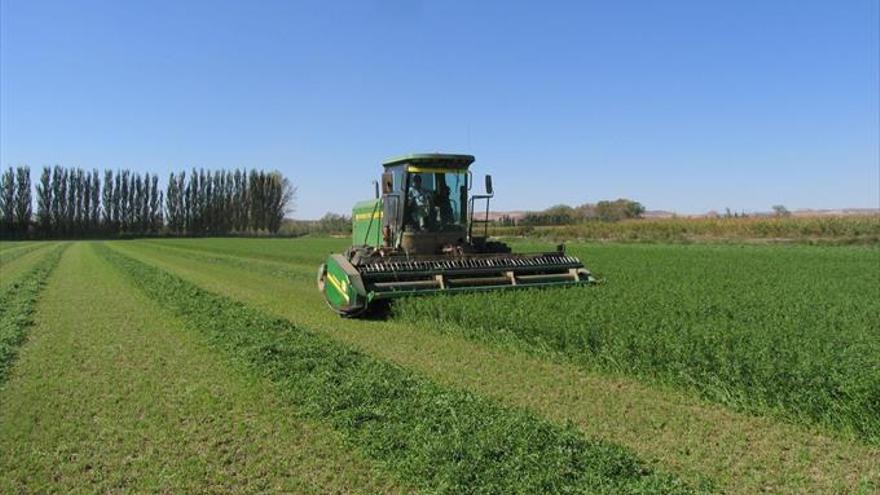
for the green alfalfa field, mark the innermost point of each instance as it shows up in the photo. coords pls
(212, 365)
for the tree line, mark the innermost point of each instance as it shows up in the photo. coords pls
(226, 201)
(72, 202)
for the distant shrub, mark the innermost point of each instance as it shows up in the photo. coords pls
(329, 224)
(607, 211)
(831, 229)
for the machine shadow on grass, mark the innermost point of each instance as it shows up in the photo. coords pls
(384, 309)
(379, 311)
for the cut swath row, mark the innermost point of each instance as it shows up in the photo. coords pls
(7, 245)
(13, 253)
(442, 440)
(274, 250)
(271, 268)
(17, 304)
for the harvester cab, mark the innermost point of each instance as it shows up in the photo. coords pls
(421, 235)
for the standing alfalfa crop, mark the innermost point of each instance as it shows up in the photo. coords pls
(791, 331)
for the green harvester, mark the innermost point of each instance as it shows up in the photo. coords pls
(417, 237)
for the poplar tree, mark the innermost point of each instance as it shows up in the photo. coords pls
(117, 202)
(155, 205)
(71, 202)
(138, 204)
(7, 202)
(23, 200)
(172, 207)
(124, 202)
(58, 201)
(95, 213)
(107, 199)
(63, 221)
(237, 204)
(44, 203)
(86, 202)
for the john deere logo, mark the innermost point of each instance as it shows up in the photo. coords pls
(340, 285)
(368, 215)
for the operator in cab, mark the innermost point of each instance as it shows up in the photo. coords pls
(420, 204)
(445, 215)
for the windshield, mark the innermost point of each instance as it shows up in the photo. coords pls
(435, 200)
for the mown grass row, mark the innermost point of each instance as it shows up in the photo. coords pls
(299, 251)
(6, 245)
(297, 273)
(17, 304)
(11, 254)
(441, 440)
(790, 331)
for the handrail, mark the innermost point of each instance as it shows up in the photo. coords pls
(370, 225)
(485, 220)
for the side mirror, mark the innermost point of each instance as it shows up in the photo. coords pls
(376, 188)
(489, 190)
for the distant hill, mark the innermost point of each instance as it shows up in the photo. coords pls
(497, 215)
(659, 214)
(838, 212)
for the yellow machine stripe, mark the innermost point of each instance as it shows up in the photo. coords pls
(367, 216)
(336, 283)
(434, 170)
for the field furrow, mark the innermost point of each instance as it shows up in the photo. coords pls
(441, 439)
(17, 305)
(742, 454)
(112, 395)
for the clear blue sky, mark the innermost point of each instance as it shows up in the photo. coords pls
(682, 105)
